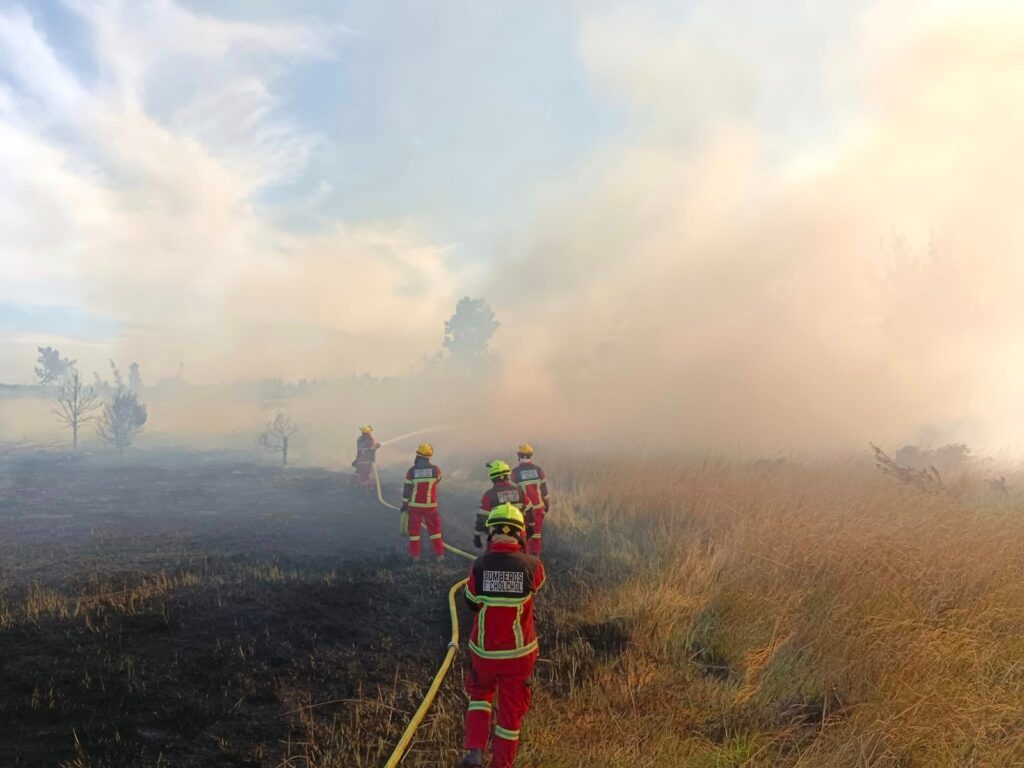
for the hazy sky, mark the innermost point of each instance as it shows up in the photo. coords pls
(767, 214)
(161, 156)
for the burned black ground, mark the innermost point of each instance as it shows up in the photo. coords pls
(193, 610)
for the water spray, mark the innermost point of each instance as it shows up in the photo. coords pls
(412, 434)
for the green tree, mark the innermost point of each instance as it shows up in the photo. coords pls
(134, 378)
(51, 366)
(122, 419)
(468, 332)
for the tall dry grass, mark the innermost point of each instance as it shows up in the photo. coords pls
(777, 614)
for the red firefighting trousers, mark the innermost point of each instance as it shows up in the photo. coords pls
(432, 520)
(510, 680)
(533, 545)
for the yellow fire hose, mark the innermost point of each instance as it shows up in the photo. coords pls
(453, 647)
(417, 719)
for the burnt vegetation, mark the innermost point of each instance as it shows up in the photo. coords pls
(203, 611)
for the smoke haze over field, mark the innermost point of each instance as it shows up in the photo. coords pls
(869, 286)
(730, 225)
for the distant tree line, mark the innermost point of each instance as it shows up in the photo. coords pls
(114, 408)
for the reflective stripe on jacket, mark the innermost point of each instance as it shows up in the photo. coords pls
(366, 448)
(531, 478)
(504, 492)
(421, 482)
(501, 587)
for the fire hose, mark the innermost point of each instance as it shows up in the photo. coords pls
(453, 646)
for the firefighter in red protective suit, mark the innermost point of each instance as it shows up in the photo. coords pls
(531, 478)
(502, 491)
(366, 455)
(503, 643)
(419, 502)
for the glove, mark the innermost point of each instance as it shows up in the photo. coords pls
(405, 507)
(477, 542)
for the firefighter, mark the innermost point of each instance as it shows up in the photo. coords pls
(366, 455)
(531, 478)
(502, 491)
(503, 643)
(419, 502)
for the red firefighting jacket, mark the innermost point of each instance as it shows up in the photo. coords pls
(421, 482)
(366, 448)
(500, 589)
(504, 492)
(531, 478)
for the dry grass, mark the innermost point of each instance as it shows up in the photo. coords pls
(780, 615)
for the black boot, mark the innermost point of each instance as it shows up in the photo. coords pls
(474, 758)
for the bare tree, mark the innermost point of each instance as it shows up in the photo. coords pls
(75, 403)
(278, 434)
(122, 419)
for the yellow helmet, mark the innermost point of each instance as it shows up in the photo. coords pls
(497, 469)
(366, 429)
(506, 518)
(426, 450)
(525, 450)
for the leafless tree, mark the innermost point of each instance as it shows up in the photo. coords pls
(278, 434)
(75, 403)
(122, 419)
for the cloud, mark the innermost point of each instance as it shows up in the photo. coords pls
(134, 38)
(27, 57)
(143, 203)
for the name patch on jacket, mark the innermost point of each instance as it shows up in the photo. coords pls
(503, 581)
(422, 473)
(528, 474)
(508, 497)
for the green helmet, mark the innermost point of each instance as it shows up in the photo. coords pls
(497, 469)
(507, 519)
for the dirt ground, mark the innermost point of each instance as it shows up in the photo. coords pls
(186, 609)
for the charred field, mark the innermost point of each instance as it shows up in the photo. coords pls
(186, 609)
(197, 609)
